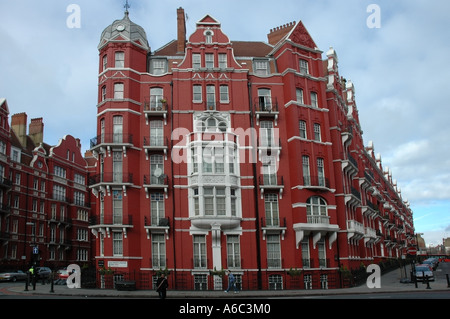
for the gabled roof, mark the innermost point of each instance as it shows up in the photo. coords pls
(208, 20)
(4, 104)
(251, 49)
(240, 49)
(300, 35)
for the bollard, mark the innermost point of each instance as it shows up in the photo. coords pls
(428, 282)
(414, 278)
(448, 281)
(52, 280)
(26, 282)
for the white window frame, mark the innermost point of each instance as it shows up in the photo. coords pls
(303, 66)
(119, 89)
(196, 61)
(119, 61)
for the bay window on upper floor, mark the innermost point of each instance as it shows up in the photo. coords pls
(118, 91)
(104, 62)
(119, 59)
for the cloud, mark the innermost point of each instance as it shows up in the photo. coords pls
(400, 70)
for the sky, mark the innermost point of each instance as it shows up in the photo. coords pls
(396, 53)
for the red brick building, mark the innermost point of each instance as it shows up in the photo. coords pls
(44, 195)
(215, 154)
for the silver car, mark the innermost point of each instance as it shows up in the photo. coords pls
(13, 275)
(422, 271)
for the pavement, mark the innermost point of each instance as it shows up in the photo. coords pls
(391, 282)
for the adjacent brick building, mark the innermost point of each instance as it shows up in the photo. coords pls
(45, 201)
(215, 154)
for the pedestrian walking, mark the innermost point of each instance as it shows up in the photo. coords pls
(161, 286)
(231, 282)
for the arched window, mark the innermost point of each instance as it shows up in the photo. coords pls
(208, 36)
(316, 206)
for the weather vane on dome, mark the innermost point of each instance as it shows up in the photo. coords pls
(126, 6)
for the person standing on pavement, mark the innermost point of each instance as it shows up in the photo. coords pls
(231, 282)
(161, 286)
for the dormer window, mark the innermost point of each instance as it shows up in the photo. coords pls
(158, 66)
(208, 36)
(261, 67)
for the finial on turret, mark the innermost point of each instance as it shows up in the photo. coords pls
(126, 6)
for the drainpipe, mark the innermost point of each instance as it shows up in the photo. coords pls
(255, 191)
(173, 189)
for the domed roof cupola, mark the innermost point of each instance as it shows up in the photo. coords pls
(125, 30)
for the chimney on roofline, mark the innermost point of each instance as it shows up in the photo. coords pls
(181, 29)
(19, 126)
(278, 33)
(36, 130)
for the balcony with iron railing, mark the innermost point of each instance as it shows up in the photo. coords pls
(109, 222)
(266, 107)
(273, 225)
(5, 183)
(111, 178)
(111, 140)
(155, 144)
(155, 106)
(316, 182)
(5, 209)
(156, 182)
(157, 225)
(349, 164)
(118, 220)
(271, 182)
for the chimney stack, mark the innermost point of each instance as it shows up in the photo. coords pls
(36, 131)
(19, 126)
(181, 28)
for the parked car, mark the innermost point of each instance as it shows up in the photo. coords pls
(62, 274)
(43, 272)
(424, 270)
(13, 276)
(432, 262)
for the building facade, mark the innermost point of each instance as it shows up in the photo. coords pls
(215, 154)
(44, 196)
